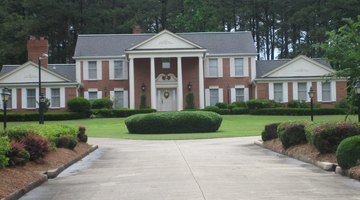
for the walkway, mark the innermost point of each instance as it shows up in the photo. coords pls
(214, 169)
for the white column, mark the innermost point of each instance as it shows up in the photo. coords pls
(131, 84)
(201, 82)
(180, 84)
(152, 83)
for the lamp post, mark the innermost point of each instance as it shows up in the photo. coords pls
(5, 97)
(311, 95)
(357, 92)
(41, 96)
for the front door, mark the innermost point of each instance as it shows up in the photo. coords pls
(166, 99)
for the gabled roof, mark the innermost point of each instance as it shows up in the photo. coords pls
(115, 45)
(66, 70)
(266, 67)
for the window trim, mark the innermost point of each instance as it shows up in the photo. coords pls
(51, 98)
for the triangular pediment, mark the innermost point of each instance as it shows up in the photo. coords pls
(165, 40)
(300, 66)
(29, 73)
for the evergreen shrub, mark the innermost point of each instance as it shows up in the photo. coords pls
(36, 145)
(79, 104)
(17, 154)
(102, 103)
(348, 152)
(4, 148)
(291, 133)
(270, 132)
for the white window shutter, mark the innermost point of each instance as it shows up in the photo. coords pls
(319, 91)
(207, 97)
(37, 97)
(295, 90)
(99, 94)
(62, 97)
(14, 98)
(232, 67)
(125, 69)
(308, 86)
(48, 93)
(23, 98)
(220, 67)
(206, 68)
(271, 91)
(285, 92)
(333, 90)
(99, 70)
(232, 94)
(111, 69)
(86, 70)
(246, 66)
(221, 95)
(246, 94)
(126, 99)
(86, 95)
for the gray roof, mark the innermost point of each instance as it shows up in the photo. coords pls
(66, 70)
(265, 66)
(99, 45)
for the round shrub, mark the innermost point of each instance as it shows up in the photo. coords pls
(270, 132)
(212, 109)
(66, 141)
(79, 104)
(36, 145)
(81, 136)
(18, 154)
(260, 103)
(174, 122)
(348, 152)
(221, 105)
(102, 103)
(239, 111)
(327, 136)
(291, 133)
(241, 104)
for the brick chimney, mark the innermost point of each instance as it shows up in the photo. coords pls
(36, 48)
(137, 30)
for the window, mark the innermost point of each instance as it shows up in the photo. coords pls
(55, 97)
(278, 92)
(213, 67)
(92, 96)
(118, 69)
(214, 96)
(166, 63)
(239, 67)
(119, 99)
(326, 91)
(31, 98)
(9, 102)
(92, 69)
(239, 94)
(302, 91)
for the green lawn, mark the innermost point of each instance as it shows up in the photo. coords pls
(232, 126)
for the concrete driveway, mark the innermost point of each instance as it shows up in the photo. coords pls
(213, 169)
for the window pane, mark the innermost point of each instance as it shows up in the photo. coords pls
(118, 69)
(92, 70)
(31, 98)
(55, 97)
(214, 96)
(119, 99)
(166, 63)
(326, 92)
(302, 93)
(213, 67)
(92, 96)
(239, 94)
(278, 92)
(239, 67)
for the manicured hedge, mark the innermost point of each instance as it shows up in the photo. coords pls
(49, 116)
(121, 112)
(174, 122)
(227, 111)
(239, 111)
(270, 132)
(298, 111)
(348, 152)
(327, 136)
(291, 133)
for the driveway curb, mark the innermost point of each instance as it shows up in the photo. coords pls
(53, 173)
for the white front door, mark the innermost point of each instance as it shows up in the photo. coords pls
(166, 99)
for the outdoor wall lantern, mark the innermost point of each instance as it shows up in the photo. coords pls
(189, 86)
(143, 87)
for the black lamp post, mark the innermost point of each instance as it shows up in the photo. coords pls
(41, 96)
(357, 92)
(5, 97)
(311, 95)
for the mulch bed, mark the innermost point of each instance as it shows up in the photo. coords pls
(13, 179)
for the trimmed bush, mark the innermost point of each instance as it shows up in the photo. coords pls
(18, 155)
(260, 103)
(348, 152)
(36, 145)
(221, 105)
(120, 112)
(4, 148)
(79, 104)
(81, 136)
(102, 103)
(239, 111)
(270, 132)
(49, 116)
(66, 141)
(327, 136)
(241, 104)
(297, 111)
(298, 104)
(212, 109)
(174, 122)
(291, 133)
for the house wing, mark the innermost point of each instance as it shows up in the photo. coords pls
(300, 66)
(165, 40)
(29, 73)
